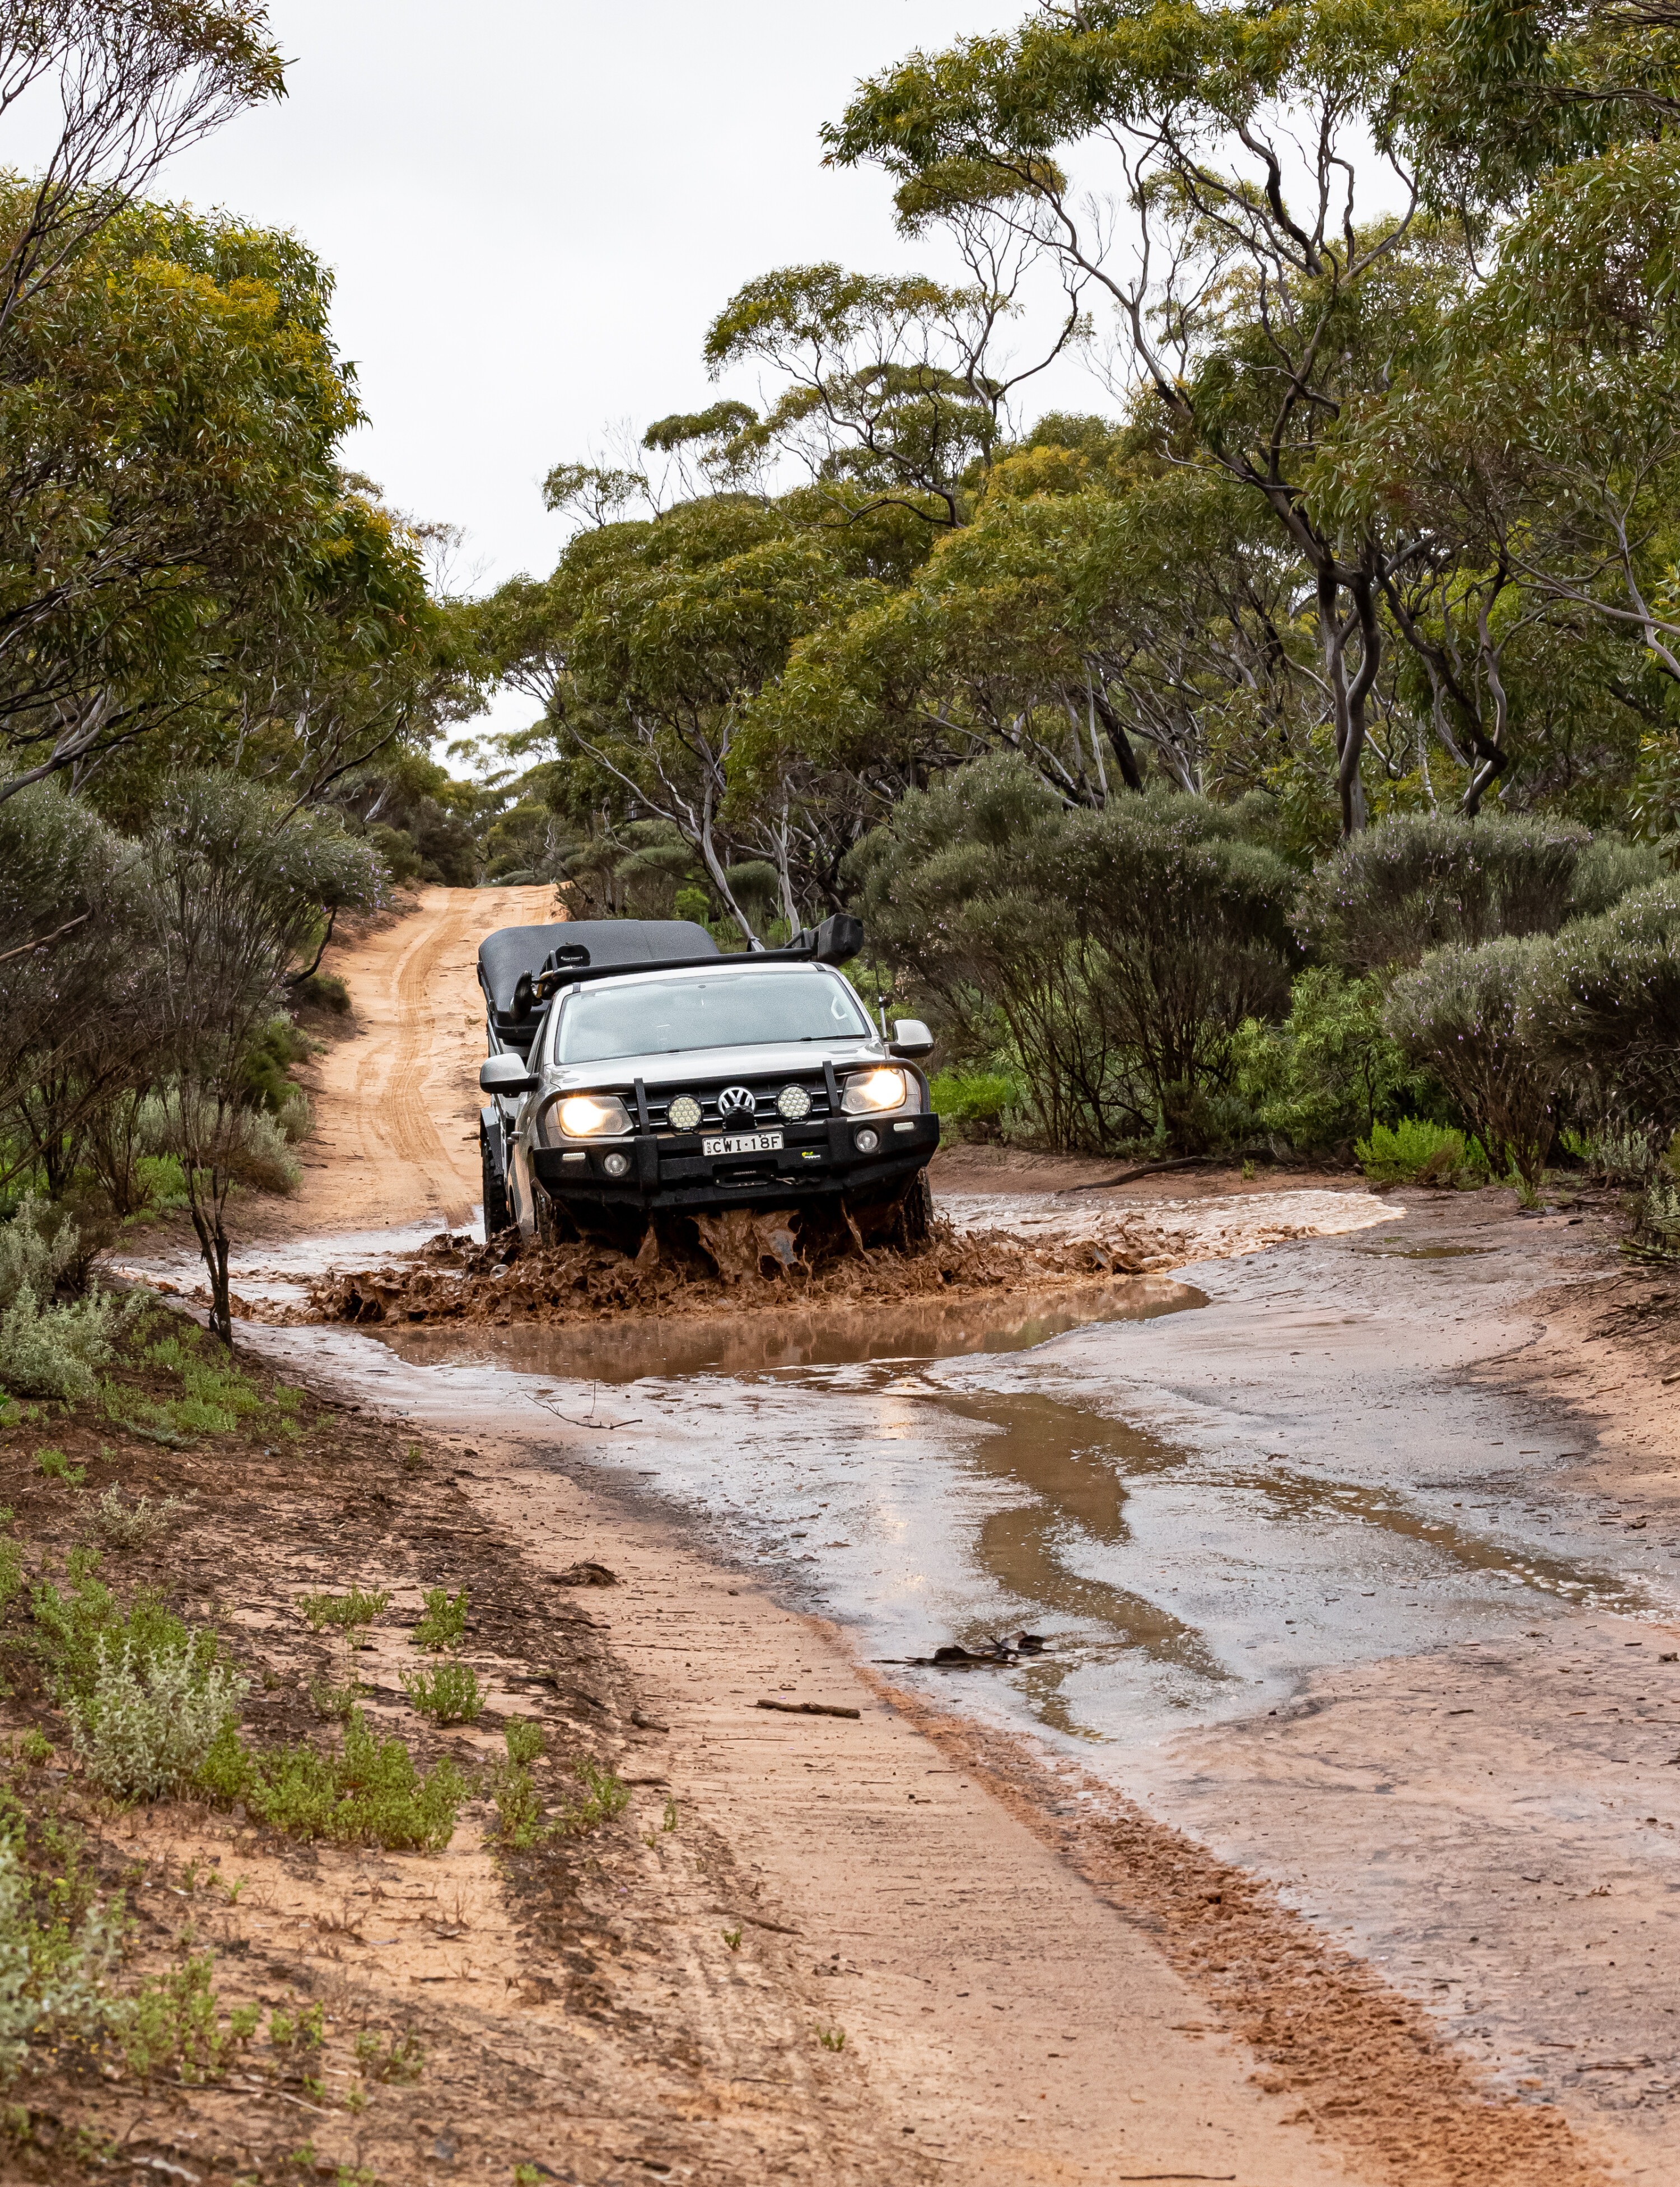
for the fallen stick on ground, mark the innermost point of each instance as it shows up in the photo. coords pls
(808, 1708)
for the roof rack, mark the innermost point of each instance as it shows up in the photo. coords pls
(836, 939)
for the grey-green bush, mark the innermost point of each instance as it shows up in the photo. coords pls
(1611, 1010)
(1122, 948)
(148, 1725)
(1471, 1016)
(52, 1978)
(1421, 881)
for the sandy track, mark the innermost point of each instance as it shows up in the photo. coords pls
(395, 1103)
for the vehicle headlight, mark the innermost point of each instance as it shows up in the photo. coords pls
(593, 1116)
(872, 1089)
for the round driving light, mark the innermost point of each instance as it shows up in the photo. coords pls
(616, 1165)
(684, 1114)
(793, 1103)
(866, 1141)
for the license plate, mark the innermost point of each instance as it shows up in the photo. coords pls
(745, 1143)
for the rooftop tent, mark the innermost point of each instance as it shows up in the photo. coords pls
(626, 943)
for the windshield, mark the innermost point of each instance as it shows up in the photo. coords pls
(737, 1010)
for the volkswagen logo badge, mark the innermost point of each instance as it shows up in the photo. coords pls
(735, 1101)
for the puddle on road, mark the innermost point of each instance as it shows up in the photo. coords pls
(1175, 1584)
(1391, 1249)
(918, 1331)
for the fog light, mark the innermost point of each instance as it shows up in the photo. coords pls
(684, 1114)
(616, 1165)
(866, 1141)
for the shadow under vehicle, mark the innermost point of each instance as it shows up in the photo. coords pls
(636, 1071)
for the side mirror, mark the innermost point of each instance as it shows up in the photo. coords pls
(910, 1039)
(505, 1074)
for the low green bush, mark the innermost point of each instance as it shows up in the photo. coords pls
(57, 1467)
(1331, 1071)
(1469, 1015)
(1413, 1151)
(144, 1728)
(448, 1694)
(347, 1612)
(971, 1104)
(443, 1622)
(56, 1950)
(50, 1348)
(1611, 1008)
(368, 1793)
(324, 991)
(607, 1796)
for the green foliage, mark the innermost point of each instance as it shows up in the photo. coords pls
(1415, 1152)
(359, 1607)
(57, 1467)
(78, 1629)
(971, 1104)
(215, 1395)
(1330, 1071)
(132, 1525)
(1611, 1006)
(332, 1704)
(1469, 1015)
(51, 1349)
(607, 1796)
(321, 991)
(524, 1740)
(55, 1955)
(398, 2061)
(448, 1693)
(172, 2024)
(1122, 948)
(443, 1622)
(368, 1793)
(1422, 881)
(144, 1727)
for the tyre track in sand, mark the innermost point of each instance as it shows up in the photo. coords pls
(395, 1103)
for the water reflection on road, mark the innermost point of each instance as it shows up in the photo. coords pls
(1171, 1579)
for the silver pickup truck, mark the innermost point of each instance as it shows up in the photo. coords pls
(635, 1069)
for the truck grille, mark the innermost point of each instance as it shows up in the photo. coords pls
(765, 1094)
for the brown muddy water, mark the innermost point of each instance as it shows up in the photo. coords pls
(1200, 1494)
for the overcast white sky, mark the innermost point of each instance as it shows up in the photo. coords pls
(535, 207)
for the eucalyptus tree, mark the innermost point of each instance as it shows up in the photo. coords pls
(1263, 257)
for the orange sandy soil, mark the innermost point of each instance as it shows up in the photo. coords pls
(1030, 1990)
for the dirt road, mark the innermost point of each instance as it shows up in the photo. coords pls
(1327, 1947)
(397, 1102)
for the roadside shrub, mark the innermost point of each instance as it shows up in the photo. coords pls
(71, 1628)
(1422, 881)
(49, 1350)
(146, 1727)
(324, 991)
(170, 2024)
(368, 1793)
(1659, 1227)
(1415, 1152)
(970, 1104)
(442, 1623)
(448, 1694)
(53, 1965)
(1469, 1015)
(1611, 1010)
(132, 1525)
(1331, 1071)
(1122, 949)
(607, 1796)
(347, 1612)
(34, 1255)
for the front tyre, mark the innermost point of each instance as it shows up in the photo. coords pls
(499, 1214)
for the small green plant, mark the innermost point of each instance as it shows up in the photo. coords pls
(298, 2033)
(527, 2175)
(36, 1748)
(332, 1704)
(448, 1694)
(57, 1467)
(524, 1740)
(132, 1525)
(412, 1461)
(345, 1612)
(242, 2023)
(1413, 1152)
(398, 2060)
(56, 1948)
(831, 2038)
(608, 1796)
(732, 1937)
(170, 2024)
(369, 1793)
(670, 1822)
(443, 1622)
